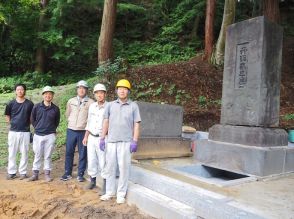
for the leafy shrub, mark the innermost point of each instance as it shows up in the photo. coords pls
(111, 69)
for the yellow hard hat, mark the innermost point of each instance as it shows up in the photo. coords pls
(124, 83)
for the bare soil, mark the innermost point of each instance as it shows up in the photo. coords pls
(57, 199)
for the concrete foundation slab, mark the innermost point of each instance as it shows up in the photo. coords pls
(158, 205)
(207, 204)
(162, 148)
(250, 136)
(248, 160)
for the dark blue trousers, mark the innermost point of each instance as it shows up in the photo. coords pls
(74, 138)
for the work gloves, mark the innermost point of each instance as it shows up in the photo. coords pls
(134, 146)
(102, 144)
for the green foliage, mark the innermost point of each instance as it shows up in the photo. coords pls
(182, 97)
(31, 79)
(146, 32)
(288, 117)
(147, 90)
(202, 102)
(35, 80)
(183, 16)
(111, 69)
(61, 130)
(139, 53)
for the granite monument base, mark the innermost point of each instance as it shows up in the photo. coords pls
(149, 148)
(251, 136)
(244, 159)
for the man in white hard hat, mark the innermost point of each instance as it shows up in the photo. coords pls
(45, 118)
(96, 157)
(121, 123)
(77, 115)
(18, 112)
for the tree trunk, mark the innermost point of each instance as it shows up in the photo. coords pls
(195, 28)
(40, 53)
(228, 18)
(271, 10)
(209, 21)
(105, 50)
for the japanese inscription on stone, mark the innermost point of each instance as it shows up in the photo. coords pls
(241, 65)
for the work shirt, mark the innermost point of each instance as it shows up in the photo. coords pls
(19, 114)
(122, 117)
(45, 119)
(77, 112)
(95, 118)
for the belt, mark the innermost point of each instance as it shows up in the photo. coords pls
(94, 135)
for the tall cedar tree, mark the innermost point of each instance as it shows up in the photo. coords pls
(209, 21)
(228, 19)
(271, 10)
(40, 53)
(105, 42)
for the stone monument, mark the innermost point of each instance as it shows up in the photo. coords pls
(248, 140)
(161, 131)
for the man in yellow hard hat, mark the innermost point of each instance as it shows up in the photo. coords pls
(122, 123)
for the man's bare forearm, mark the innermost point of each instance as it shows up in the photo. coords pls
(136, 131)
(7, 119)
(105, 128)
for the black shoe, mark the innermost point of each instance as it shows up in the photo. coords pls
(65, 177)
(81, 179)
(91, 185)
(23, 176)
(11, 176)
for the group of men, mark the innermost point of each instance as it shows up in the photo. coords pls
(106, 133)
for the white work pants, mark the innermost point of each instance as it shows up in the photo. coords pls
(117, 154)
(43, 146)
(96, 157)
(18, 141)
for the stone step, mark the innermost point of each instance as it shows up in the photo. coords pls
(158, 205)
(207, 204)
(155, 204)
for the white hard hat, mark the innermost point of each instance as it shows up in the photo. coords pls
(83, 84)
(47, 89)
(99, 87)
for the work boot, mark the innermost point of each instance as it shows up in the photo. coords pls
(81, 179)
(47, 176)
(23, 176)
(11, 176)
(103, 188)
(35, 176)
(92, 184)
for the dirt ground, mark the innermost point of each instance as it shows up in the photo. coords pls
(57, 199)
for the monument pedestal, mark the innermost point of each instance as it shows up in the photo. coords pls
(251, 136)
(244, 159)
(150, 148)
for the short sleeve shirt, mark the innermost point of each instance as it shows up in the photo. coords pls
(95, 118)
(19, 115)
(122, 117)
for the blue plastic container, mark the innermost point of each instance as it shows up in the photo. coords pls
(291, 136)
